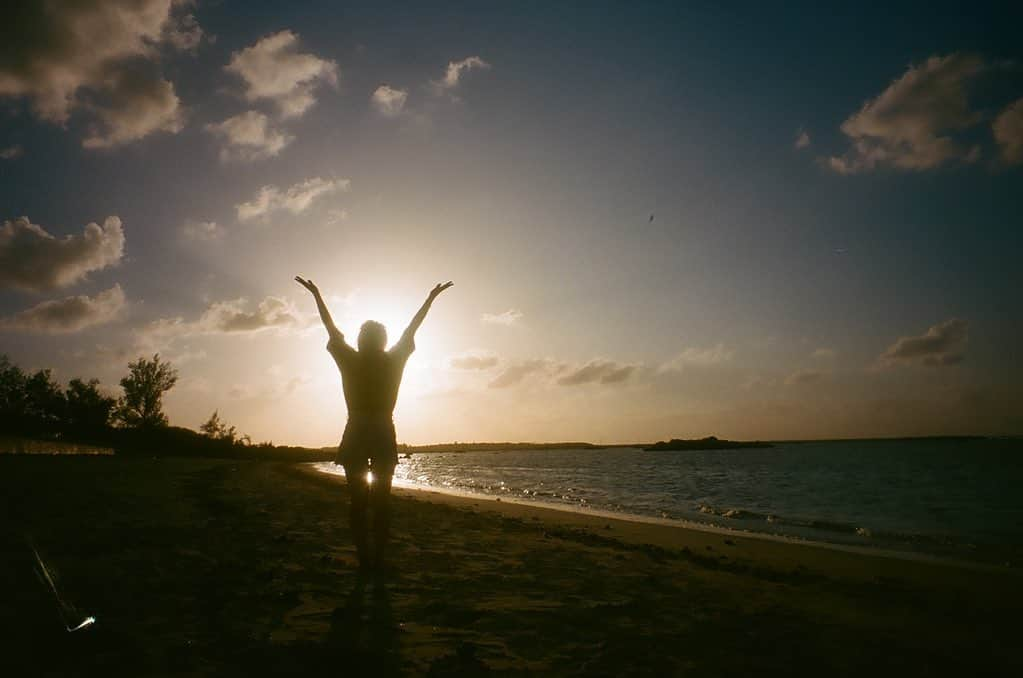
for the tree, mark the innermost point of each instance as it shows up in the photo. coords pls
(147, 381)
(216, 429)
(44, 403)
(12, 396)
(88, 410)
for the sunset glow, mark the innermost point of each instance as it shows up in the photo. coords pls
(665, 237)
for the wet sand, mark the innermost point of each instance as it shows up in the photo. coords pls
(212, 567)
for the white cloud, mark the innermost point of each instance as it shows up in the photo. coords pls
(1008, 131)
(62, 316)
(909, 125)
(270, 313)
(234, 316)
(597, 371)
(273, 69)
(336, 216)
(474, 360)
(518, 371)
(249, 136)
(11, 152)
(698, 356)
(202, 230)
(389, 101)
(138, 105)
(65, 55)
(510, 317)
(755, 382)
(456, 70)
(942, 344)
(296, 199)
(802, 139)
(32, 259)
(804, 377)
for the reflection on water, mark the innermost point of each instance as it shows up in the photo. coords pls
(951, 497)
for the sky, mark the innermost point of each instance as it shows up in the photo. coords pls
(661, 220)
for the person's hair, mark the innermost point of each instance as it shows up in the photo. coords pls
(372, 336)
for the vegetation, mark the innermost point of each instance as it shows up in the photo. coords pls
(34, 407)
(708, 443)
(144, 386)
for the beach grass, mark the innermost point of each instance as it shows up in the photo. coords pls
(228, 567)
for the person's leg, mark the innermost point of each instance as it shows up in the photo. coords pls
(358, 492)
(380, 502)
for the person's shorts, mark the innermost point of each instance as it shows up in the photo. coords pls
(368, 442)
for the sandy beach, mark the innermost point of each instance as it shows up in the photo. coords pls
(218, 567)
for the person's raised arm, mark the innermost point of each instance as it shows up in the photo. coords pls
(420, 315)
(328, 322)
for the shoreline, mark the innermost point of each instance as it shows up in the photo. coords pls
(228, 567)
(425, 492)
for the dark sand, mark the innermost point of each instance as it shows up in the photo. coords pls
(207, 567)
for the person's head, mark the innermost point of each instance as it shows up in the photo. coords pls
(372, 336)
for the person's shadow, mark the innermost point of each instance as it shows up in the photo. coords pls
(364, 632)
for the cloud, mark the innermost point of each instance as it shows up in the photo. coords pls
(804, 377)
(756, 382)
(908, 125)
(389, 101)
(234, 316)
(202, 230)
(823, 354)
(714, 355)
(65, 55)
(273, 69)
(802, 139)
(474, 360)
(510, 317)
(32, 259)
(296, 199)
(249, 136)
(11, 152)
(336, 216)
(61, 316)
(280, 388)
(1008, 132)
(602, 371)
(516, 372)
(138, 104)
(942, 344)
(270, 313)
(455, 71)
(184, 33)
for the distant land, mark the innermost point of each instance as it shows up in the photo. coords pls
(708, 443)
(490, 447)
(182, 442)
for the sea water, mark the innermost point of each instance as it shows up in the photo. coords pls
(956, 497)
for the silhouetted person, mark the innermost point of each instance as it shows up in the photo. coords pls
(370, 376)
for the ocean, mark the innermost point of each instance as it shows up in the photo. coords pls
(953, 498)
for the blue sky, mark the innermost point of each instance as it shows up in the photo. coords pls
(815, 289)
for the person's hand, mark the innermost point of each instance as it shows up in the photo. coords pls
(440, 287)
(308, 284)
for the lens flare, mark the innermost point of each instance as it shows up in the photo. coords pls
(86, 623)
(64, 609)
